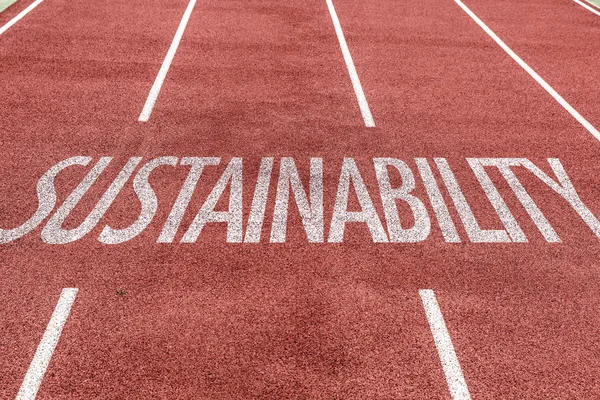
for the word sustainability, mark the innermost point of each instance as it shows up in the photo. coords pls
(400, 204)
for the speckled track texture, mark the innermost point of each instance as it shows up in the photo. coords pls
(331, 309)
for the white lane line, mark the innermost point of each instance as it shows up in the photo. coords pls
(593, 3)
(20, 15)
(531, 72)
(582, 4)
(358, 90)
(43, 354)
(443, 343)
(162, 73)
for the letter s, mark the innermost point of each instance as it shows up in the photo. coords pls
(46, 199)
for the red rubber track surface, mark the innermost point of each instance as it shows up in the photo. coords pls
(251, 79)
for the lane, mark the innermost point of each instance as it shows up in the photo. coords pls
(447, 85)
(559, 99)
(441, 86)
(243, 329)
(246, 68)
(554, 38)
(107, 84)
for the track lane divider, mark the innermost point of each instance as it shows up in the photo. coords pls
(164, 69)
(559, 99)
(582, 4)
(454, 376)
(43, 354)
(358, 90)
(20, 15)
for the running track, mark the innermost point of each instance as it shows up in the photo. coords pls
(297, 320)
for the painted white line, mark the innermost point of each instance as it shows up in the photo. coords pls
(593, 3)
(531, 72)
(162, 73)
(582, 4)
(358, 90)
(43, 354)
(443, 343)
(20, 15)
